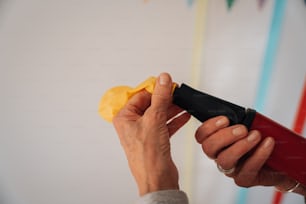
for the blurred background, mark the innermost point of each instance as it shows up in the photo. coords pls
(58, 57)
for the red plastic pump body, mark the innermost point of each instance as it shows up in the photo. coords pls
(289, 154)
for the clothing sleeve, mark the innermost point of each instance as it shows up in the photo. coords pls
(164, 197)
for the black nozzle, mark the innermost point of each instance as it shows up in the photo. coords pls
(203, 106)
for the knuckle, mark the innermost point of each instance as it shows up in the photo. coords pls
(224, 161)
(206, 127)
(240, 126)
(256, 132)
(208, 149)
(202, 132)
(156, 115)
(242, 182)
(199, 136)
(244, 129)
(163, 98)
(238, 150)
(116, 120)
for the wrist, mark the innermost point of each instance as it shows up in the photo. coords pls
(161, 176)
(151, 188)
(291, 186)
(157, 185)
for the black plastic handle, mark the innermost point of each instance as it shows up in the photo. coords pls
(204, 106)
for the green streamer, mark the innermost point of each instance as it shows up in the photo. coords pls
(230, 4)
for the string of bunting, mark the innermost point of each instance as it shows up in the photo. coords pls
(298, 127)
(267, 69)
(230, 3)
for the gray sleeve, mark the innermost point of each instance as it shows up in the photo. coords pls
(164, 197)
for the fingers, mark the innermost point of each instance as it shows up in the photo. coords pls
(229, 157)
(177, 123)
(160, 101)
(256, 161)
(162, 93)
(173, 111)
(252, 171)
(135, 107)
(210, 126)
(139, 102)
(222, 139)
(238, 153)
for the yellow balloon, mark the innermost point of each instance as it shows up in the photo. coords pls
(116, 98)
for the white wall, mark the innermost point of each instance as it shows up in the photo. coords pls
(57, 58)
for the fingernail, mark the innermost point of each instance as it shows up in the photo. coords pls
(268, 143)
(253, 136)
(221, 122)
(237, 131)
(163, 79)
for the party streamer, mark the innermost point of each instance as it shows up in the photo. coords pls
(198, 41)
(190, 2)
(298, 126)
(267, 68)
(198, 44)
(270, 53)
(230, 3)
(299, 123)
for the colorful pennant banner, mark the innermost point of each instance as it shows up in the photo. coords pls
(261, 3)
(190, 2)
(230, 3)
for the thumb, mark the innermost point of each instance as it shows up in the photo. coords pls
(162, 93)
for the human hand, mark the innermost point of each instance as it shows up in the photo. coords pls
(241, 155)
(144, 131)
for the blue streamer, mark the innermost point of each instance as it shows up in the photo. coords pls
(190, 2)
(267, 69)
(270, 55)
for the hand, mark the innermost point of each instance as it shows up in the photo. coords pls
(233, 147)
(144, 131)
